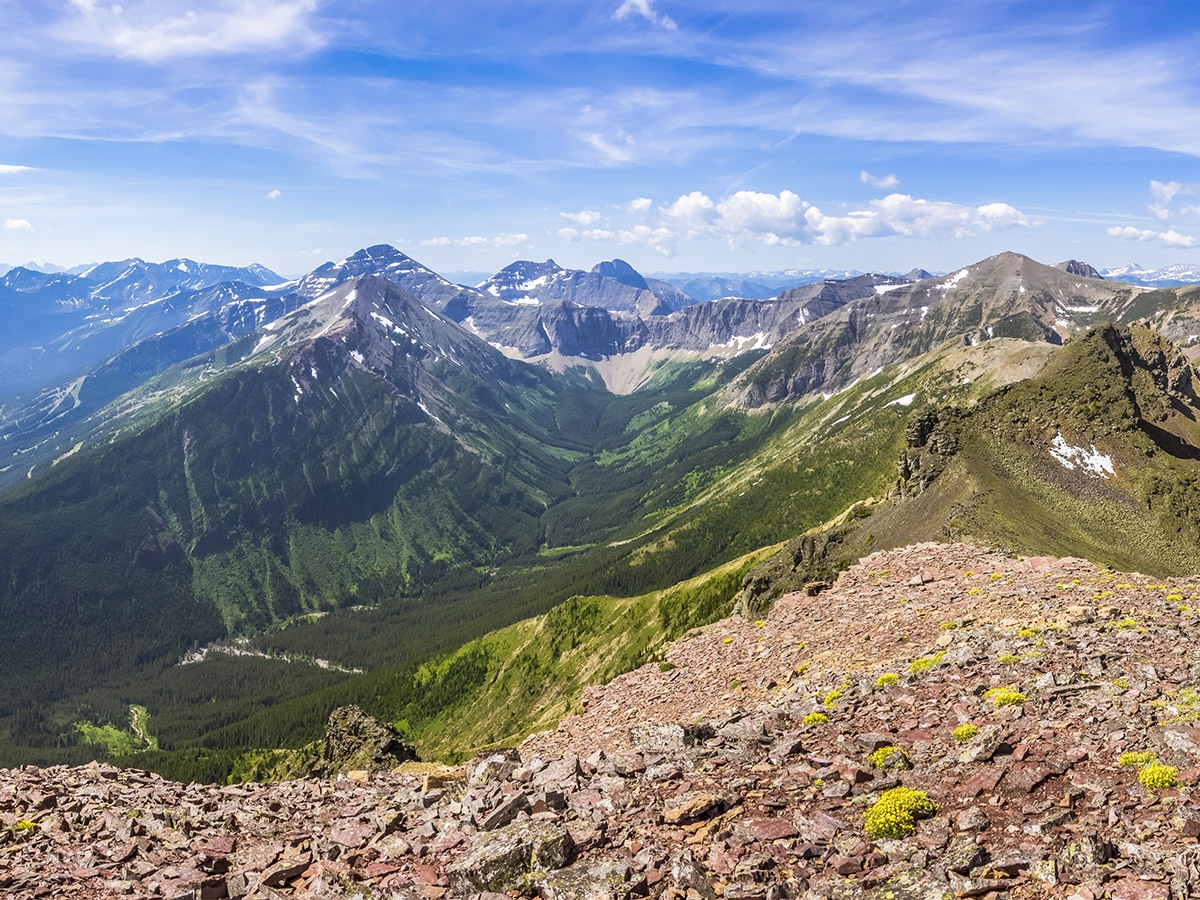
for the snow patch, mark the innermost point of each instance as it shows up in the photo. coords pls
(1090, 460)
(886, 288)
(906, 400)
(756, 341)
(356, 356)
(954, 279)
(425, 409)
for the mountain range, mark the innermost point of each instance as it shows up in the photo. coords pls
(371, 466)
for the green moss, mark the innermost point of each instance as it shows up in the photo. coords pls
(895, 813)
(1008, 659)
(1181, 706)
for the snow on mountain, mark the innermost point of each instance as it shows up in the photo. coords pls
(1169, 276)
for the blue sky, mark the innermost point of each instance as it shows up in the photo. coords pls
(717, 135)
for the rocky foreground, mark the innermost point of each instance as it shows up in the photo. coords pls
(741, 767)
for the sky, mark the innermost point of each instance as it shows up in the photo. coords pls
(679, 135)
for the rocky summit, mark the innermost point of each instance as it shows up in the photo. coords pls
(942, 722)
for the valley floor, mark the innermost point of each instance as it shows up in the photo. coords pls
(740, 767)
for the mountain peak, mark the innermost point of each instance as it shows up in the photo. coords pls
(1075, 267)
(623, 272)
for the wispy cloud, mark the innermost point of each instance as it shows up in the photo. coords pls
(645, 9)
(886, 181)
(18, 225)
(164, 30)
(500, 240)
(13, 170)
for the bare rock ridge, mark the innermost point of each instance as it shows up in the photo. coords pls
(1046, 709)
(1075, 267)
(355, 741)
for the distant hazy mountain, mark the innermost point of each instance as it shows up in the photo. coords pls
(59, 324)
(1170, 276)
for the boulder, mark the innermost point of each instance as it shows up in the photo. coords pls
(502, 860)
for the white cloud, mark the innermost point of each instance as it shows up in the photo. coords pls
(645, 9)
(18, 225)
(785, 218)
(1164, 192)
(274, 194)
(584, 217)
(660, 240)
(695, 211)
(13, 170)
(887, 181)
(568, 234)
(899, 215)
(638, 205)
(1169, 238)
(162, 30)
(500, 240)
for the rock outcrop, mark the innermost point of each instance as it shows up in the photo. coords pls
(355, 741)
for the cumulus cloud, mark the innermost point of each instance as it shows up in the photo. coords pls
(785, 218)
(638, 205)
(274, 194)
(1169, 238)
(645, 9)
(500, 240)
(160, 30)
(18, 225)
(886, 181)
(584, 217)
(13, 170)
(899, 215)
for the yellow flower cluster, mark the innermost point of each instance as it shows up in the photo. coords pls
(890, 757)
(1157, 776)
(965, 732)
(1004, 696)
(895, 812)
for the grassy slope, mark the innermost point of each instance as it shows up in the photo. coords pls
(1122, 392)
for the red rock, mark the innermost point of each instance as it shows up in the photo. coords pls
(1133, 888)
(426, 874)
(380, 868)
(770, 829)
